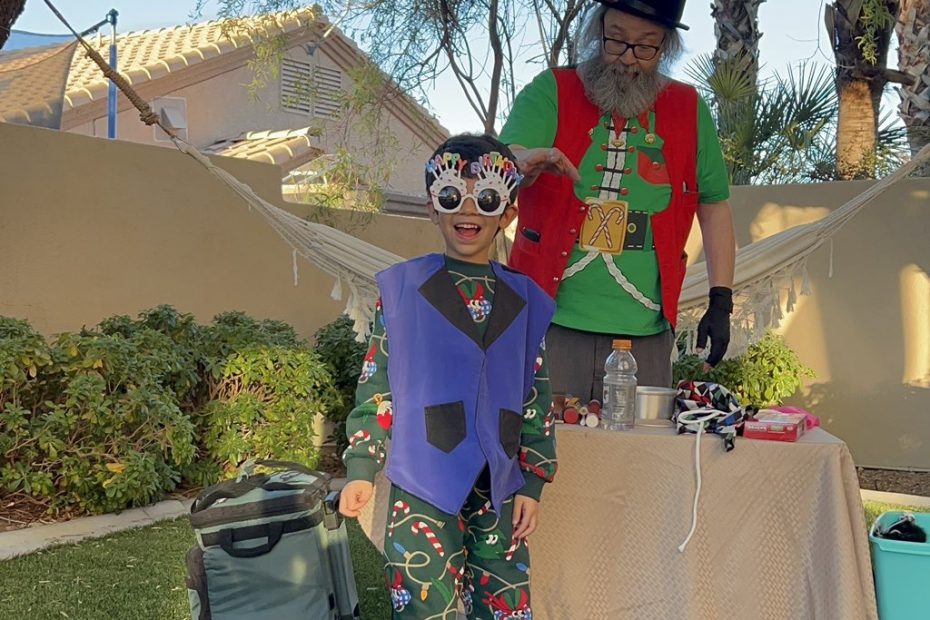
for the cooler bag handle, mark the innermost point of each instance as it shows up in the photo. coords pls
(227, 490)
(272, 532)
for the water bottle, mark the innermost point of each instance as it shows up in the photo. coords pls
(618, 410)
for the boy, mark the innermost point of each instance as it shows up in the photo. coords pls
(464, 396)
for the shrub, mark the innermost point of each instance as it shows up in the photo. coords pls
(117, 415)
(24, 354)
(766, 374)
(108, 433)
(337, 346)
(266, 405)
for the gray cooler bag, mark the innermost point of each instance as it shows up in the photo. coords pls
(270, 546)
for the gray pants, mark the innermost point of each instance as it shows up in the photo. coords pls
(576, 360)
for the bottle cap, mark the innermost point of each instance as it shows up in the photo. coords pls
(624, 345)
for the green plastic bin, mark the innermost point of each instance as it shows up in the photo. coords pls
(902, 571)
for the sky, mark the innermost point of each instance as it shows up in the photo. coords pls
(793, 32)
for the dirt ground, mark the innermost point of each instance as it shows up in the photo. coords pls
(894, 481)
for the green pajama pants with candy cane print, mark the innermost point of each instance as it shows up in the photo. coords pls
(435, 558)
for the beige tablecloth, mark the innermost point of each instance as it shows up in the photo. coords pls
(781, 533)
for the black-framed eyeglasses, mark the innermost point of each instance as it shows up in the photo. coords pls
(616, 47)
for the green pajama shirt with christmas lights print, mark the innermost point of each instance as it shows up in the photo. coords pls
(434, 558)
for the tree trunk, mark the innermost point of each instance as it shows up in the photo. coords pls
(860, 79)
(913, 29)
(10, 10)
(857, 133)
(736, 26)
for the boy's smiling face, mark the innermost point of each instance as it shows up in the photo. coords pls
(468, 234)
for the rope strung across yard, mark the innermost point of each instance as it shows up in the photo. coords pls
(145, 112)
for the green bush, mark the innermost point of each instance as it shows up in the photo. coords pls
(107, 432)
(117, 415)
(267, 402)
(337, 346)
(228, 334)
(766, 374)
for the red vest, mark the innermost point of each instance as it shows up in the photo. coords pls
(551, 209)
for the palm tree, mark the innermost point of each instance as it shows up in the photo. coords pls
(913, 31)
(773, 131)
(860, 32)
(736, 26)
(10, 10)
(783, 129)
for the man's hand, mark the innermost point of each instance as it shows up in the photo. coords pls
(354, 496)
(525, 516)
(533, 162)
(716, 324)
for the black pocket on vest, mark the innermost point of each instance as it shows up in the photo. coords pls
(511, 425)
(445, 425)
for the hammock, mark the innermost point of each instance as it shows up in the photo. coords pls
(764, 269)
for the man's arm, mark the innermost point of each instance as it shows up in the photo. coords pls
(530, 130)
(716, 222)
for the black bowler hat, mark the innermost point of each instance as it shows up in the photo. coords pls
(666, 12)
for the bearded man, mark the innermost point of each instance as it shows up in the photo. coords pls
(618, 158)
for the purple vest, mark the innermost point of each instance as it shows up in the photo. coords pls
(458, 399)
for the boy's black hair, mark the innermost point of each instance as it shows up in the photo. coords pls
(471, 147)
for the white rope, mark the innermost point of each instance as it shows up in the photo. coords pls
(696, 418)
(294, 267)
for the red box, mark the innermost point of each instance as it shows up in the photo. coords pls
(775, 426)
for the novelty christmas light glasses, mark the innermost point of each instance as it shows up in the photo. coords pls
(496, 177)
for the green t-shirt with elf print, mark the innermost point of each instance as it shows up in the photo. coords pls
(616, 294)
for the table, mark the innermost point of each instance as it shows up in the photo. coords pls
(781, 533)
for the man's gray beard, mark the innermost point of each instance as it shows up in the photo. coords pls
(619, 89)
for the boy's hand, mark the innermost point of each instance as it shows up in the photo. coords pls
(525, 515)
(354, 496)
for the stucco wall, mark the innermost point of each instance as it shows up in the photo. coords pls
(866, 330)
(91, 228)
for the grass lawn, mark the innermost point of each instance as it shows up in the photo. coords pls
(873, 509)
(139, 575)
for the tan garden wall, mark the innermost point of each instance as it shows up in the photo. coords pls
(91, 228)
(866, 330)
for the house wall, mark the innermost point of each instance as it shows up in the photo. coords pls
(222, 107)
(91, 228)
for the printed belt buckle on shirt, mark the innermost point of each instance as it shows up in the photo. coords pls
(604, 227)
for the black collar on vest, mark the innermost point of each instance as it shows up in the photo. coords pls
(441, 293)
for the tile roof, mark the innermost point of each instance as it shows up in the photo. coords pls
(287, 148)
(32, 83)
(150, 54)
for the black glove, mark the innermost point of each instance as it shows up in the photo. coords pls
(716, 324)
